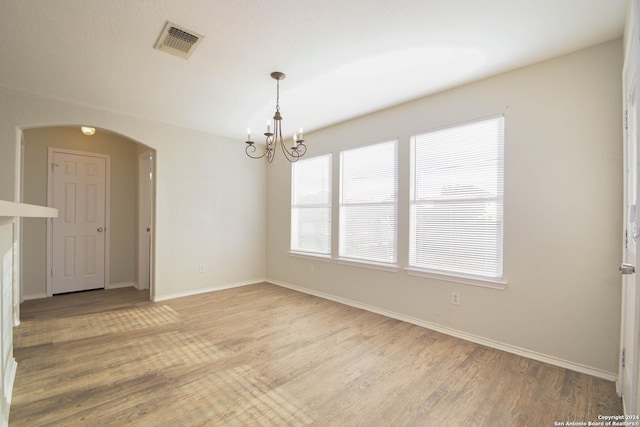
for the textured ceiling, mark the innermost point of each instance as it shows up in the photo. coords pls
(342, 58)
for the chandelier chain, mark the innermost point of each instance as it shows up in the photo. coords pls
(277, 95)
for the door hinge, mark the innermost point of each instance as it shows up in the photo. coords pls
(626, 238)
(622, 357)
(626, 119)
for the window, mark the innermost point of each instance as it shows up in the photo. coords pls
(368, 203)
(457, 199)
(311, 205)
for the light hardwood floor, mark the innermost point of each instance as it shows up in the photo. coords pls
(265, 355)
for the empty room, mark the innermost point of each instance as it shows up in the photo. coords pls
(304, 212)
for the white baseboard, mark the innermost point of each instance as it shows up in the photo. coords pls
(9, 379)
(34, 296)
(109, 286)
(157, 298)
(121, 285)
(540, 357)
(10, 376)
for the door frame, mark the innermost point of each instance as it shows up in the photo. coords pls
(630, 89)
(146, 205)
(107, 239)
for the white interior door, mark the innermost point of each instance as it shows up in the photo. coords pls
(145, 219)
(78, 191)
(630, 326)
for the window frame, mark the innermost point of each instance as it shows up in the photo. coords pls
(349, 259)
(314, 205)
(422, 270)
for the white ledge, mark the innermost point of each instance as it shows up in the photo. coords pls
(368, 264)
(13, 209)
(309, 255)
(465, 280)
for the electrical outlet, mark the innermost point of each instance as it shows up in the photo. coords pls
(201, 268)
(311, 269)
(455, 298)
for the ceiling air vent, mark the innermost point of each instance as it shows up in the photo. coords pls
(178, 41)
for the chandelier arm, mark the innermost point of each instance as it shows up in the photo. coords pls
(250, 149)
(301, 149)
(281, 142)
(293, 154)
(289, 155)
(269, 146)
(271, 151)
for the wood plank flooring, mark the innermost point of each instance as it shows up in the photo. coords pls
(265, 355)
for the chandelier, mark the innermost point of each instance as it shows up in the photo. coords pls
(273, 139)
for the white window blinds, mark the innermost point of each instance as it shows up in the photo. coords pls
(457, 199)
(368, 203)
(311, 205)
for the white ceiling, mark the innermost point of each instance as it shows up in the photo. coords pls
(342, 58)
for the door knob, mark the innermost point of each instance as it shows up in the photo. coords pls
(100, 229)
(627, 268)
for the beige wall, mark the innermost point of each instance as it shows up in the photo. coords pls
(210, 197)
(562, 224)
(123, 198)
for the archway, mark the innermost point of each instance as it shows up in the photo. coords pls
(123, 252)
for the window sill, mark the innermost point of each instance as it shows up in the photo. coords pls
(309, 255)
(465, 280)
(368, 264)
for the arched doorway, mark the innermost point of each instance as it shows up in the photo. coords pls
(123, 263)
